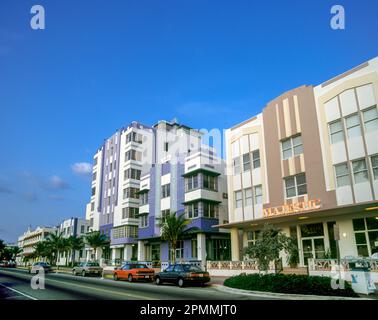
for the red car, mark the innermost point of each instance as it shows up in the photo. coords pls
(134, 271)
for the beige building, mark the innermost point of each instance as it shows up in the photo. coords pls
(307, 162)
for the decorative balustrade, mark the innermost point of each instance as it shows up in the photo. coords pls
(235, 265)
(346, 264)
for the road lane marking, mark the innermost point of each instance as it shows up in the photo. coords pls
(19, 292)
(90, 288)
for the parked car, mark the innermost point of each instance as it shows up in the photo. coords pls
(182, 274)
(134, 271)
(87, 268)
(374, 256)
(8, 264)
(35, 267)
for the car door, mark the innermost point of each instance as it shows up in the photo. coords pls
(124, 272)
(166, 275)
(177, 272)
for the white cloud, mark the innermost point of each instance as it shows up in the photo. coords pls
(82, 168)
(57, 182)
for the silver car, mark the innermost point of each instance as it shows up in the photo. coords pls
(87, 268)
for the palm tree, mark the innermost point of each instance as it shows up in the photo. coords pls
(96, 240)
(40, 250)
(55, 241)
(15, 251)
(172, 228)
(76, 243)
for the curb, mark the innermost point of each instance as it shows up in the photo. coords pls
(284, 296)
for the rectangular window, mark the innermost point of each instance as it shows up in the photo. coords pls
(248, 197)
(342, 174)
(130, 193)
(132, 174)
(92, 206)
(164, 214)
(165, 146)
(258, 194)
(246, 162)
(133, 155)
(135, 137)
(291, 146)
(82, 229)
(360, 171)
(374, 165)
(353, 126)
(143, 221)
(94, 176)
(295, 185)
(371, 119)
(336, 131)
(129, 212)
(93, 191)
(210, 182)
(236, 165)
(366, 235)
(143, 198)
(238, 199)
(194, 248)
(165, 191)
(256, 159)
(191, 183)
(192, 210)
(210, 210)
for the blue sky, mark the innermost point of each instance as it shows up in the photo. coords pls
(99, 65)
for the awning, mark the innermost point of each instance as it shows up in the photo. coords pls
(202, 200)
(203, 170)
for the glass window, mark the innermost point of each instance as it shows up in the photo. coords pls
(336, 131)
(258, 194)
(372, 223)
(342, 174)
(358, 224)
(256, 159)
(192, 210)
(286, 149)
(312, 230)
(371, 119)
(374, 165)
(353, 126)
(238, 199)
(236, 165)
(296, 185)
(246, 162)
(165, 191)
(194, 248)
(360, 171)
(297, 145)
(248, 197)
(210, 210)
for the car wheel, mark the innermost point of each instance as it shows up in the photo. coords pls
(130, 278)
(115, 277)
(180, 282)
(83, 273)
(158, 281)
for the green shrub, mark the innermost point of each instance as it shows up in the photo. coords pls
(295, 284)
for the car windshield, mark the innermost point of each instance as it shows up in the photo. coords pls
(92, 264)
(188, 267)
(140, 266)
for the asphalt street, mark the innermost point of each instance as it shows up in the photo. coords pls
(16, 284)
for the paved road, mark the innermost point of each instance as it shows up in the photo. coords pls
(15, 284)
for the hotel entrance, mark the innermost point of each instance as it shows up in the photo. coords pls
(313, 246)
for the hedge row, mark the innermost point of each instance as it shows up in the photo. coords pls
(295, 284)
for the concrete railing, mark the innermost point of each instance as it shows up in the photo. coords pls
(346, 264)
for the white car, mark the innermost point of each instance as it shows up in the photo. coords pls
(374, 256)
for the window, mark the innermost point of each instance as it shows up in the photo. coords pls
(194, 248)
(164, 214)
(165, 146)
(210, 182)
(92, 206)
(93, 191)
(125, 232)
(238, 199)
(191, 182)
(371, 119)
(130, 193)
(132, 174)
(94, 176)
(366, 235)
(374, 165)
(258, 194)
(191, 210)
(82, 229)
(129, 212)
(135, 137)
(133, 155)
(248, 197)
(165, 191)
(291, 146)
(143, 198)
(336, 131)
(210, 210)
(252, 236)
(360, 172)
(353, 126)
(143, 221)
(246, 162)
(256, 159)
(342, 174)
(295, 185)
(236, 165)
